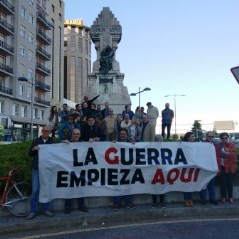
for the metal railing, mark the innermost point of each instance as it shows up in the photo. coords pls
(5, 90)
(44, 36)
(7, 5)
(45, 53)
(6, 25)
(6, 68)
(6, 46)
(43, 68)
(40, 101)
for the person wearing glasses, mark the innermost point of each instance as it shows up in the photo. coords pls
(228, 157)
(211, 185)
(80, 201)
(33, 152)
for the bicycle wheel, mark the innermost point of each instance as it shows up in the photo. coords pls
(18, 199)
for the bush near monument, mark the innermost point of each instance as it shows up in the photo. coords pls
(16, 156)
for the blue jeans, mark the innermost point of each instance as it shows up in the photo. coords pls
(127, 199)
(211, 191)
(34, 200)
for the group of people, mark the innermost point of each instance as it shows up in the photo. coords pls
(101, 125)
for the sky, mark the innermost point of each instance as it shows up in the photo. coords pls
(176, 47)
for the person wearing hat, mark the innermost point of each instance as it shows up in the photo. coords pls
(153, 114)
(66, 128)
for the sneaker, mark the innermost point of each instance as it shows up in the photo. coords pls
(48, 213)
(130, 206)
(83, 209)
(67, 211)
(190, 202)
(223, 200)
(116, 207)
(154, 205)
(214, 202)
(31, 215)
(231, 200)
(163, 205)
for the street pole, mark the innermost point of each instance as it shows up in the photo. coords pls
(139, 92)
(32, 98)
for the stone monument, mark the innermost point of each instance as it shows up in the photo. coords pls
(106, 79)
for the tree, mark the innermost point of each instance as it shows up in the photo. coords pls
(197, 130)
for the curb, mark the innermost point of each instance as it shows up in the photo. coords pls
(106, 216)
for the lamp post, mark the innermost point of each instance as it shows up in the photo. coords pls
(175, 109)
(139, 92)
(32, 84)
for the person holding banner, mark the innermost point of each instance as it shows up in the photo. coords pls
(75, 138)
(211, 185)
(228, 156)
(188, 196)
(33, 151)
(127, 198)
(158, 138)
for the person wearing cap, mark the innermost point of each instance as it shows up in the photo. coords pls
(153, 114)
(66, 128)
(89, 102)
(167, 119)
(228, 155)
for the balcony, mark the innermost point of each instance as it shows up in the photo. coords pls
(44, 54)
(42, 35)
(5, 90)
(43, 86)
(43, 102)
(6, 70)
(6, 28)
(43, 69)
(7, 7)
(5, 49)
(41, 18)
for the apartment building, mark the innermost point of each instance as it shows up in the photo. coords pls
(77, 59)
(31, 62)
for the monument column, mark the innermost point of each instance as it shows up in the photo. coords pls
(106, 79)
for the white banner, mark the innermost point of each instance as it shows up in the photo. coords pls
(111, 169)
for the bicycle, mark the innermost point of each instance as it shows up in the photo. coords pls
(16, 195)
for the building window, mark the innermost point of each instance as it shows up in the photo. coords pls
(31, 37)
(35, 113)
(60, 3)
(22, 31)
(23, 12)
(1, 106)
(22, 51)
(60, 17)
(15, 109)
(30, 55)
(31, 19)
(31, 2)
(30, 74)
(21, 89)
(21, 70)
(41, 114)
(24, 111)
(53, 8)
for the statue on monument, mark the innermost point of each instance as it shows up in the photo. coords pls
(106, 60)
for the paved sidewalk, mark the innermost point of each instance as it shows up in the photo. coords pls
(106, 216)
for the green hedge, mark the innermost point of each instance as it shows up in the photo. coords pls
(16, 156)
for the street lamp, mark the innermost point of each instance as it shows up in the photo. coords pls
(139, 92)
(32, 84)
(175, 108)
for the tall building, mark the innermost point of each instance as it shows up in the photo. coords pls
(77, 59)
(31, 62)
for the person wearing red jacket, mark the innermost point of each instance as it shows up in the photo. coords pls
(228, 157)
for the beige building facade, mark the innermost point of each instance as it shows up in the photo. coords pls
(31, 62)
(77, 59)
